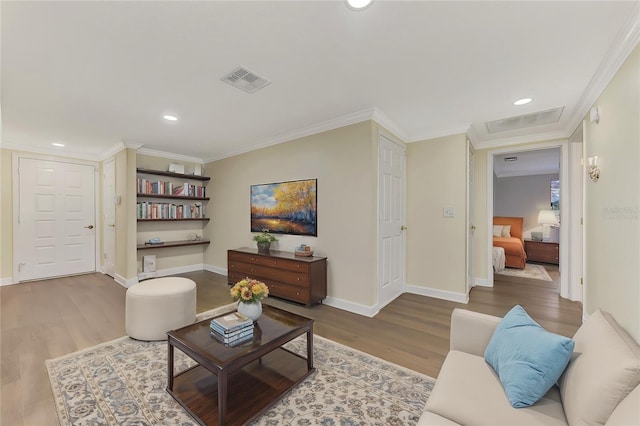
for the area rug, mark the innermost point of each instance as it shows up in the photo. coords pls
(123, 382)
(534, 272)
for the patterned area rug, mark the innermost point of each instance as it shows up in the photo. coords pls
(123, 382)
(534, 272)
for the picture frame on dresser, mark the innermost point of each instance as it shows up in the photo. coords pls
(285, 207)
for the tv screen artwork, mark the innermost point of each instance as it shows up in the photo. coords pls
(285, 207)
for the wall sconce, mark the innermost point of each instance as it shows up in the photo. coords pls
(593, 171)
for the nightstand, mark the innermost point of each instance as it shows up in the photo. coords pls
(542, 251)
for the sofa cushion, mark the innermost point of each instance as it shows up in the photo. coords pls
(469, 392)
(528, 359)
(605, 368)
(628, 411)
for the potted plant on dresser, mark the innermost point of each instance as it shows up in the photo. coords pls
(264, 240)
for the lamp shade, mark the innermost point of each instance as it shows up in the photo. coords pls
(547, 217)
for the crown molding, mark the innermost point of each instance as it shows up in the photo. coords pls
(169, 155)
(335, 123)
(108, 153)
(456, 130)
(382, 119)
(622, 46)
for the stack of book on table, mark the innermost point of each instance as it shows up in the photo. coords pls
(232, 329)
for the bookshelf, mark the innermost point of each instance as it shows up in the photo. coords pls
(168, 198)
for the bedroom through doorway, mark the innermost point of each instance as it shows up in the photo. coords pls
(526, 218)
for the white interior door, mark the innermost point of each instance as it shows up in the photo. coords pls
(55, 232)
(471, 213)
(109, 215)
(391, 256)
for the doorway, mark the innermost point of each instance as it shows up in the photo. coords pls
(531, 225)
(55, 221)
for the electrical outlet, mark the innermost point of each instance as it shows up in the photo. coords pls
(448, 212)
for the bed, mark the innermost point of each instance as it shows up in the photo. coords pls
(507, 233)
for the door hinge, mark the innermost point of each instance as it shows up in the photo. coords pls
(581, 221)
(581, 281)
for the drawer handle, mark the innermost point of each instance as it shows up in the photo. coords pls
(298, 278)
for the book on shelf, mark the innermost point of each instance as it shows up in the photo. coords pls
(231, 322)
(232, 342)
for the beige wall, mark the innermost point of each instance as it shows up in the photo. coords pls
(436, 246)
(343, 161)
(612, 275)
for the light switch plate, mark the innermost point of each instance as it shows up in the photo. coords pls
(448, 212)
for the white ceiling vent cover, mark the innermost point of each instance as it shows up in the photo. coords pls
(539, 118)
(246, 80)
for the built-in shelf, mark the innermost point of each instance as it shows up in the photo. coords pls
(168, 244)
(174, 197)
(172, 174)
(204, 219)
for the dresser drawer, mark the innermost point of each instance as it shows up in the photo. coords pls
(289, 265)
(264, 272)
(297, 294)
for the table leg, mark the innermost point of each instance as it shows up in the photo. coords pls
(170, 365)
(310, 348)
(222, 396)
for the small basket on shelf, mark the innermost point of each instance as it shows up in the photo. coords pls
(304, 251)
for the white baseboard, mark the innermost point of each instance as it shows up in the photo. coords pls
(438, 294)
(215, 269)
(7, 281)
(483, 282)
(170, 271)
(126, 283)
(356, 308)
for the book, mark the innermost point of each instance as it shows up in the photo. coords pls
(233, 338)
(231, 333)
(230, 322)
(234, 342)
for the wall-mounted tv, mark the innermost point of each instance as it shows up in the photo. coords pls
(285, 207)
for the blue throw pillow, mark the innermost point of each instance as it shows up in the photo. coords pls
(527, 358)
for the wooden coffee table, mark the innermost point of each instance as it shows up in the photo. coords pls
(245, 380)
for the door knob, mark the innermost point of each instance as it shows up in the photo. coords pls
(113, 225)
(89, 227)
(403, 228)
(473, 227)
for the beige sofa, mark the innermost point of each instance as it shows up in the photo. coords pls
(598, 387)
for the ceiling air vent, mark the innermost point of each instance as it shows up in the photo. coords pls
(245, 80)
(549, 116)
(511, 158)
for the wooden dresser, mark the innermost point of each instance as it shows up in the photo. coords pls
(542, 251)
(291, 277)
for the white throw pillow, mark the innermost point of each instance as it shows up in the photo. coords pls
(506, 231)
(497, 230)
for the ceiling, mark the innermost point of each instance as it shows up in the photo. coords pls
(526, 163)
(97, 75)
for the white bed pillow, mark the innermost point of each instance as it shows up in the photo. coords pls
(506, 231)
(497, 230)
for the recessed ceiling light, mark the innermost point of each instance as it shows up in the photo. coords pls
(170, 117)
(358, 4)
(522, 101)
(57, 144)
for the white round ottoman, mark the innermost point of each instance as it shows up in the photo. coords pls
(156, 306)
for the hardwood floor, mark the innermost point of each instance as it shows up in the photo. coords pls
(47, 319)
